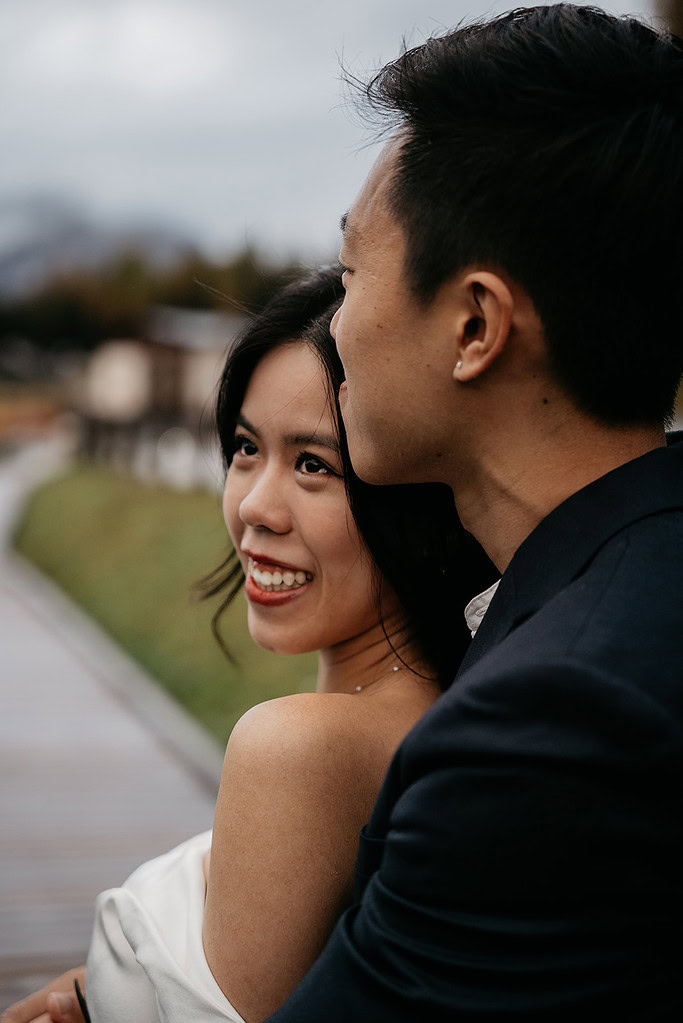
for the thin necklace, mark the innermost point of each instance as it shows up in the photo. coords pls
(357, 689)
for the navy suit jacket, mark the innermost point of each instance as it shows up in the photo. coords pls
(524, 859)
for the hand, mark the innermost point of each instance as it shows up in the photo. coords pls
(45, 1006)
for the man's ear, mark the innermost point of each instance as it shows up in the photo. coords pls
(484, 323)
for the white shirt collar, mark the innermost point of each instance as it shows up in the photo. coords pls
(478, 606)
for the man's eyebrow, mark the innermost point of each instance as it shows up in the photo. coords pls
(348, 229)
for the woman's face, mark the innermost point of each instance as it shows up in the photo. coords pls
(308, 583)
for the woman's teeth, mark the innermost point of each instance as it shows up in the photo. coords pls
(279, 579)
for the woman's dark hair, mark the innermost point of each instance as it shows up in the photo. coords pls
(412, 532)
(548, 143)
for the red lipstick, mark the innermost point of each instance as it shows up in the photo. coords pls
(271, 598)
(264, 559)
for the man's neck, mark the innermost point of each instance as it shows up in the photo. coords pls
(512, 483)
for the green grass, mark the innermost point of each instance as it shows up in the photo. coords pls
(129, 555)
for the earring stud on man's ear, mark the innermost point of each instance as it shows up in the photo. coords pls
(458, 364)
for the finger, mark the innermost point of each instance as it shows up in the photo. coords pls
(34, 1008)
(43, 1018)
(29, 1010)
(64, 1008)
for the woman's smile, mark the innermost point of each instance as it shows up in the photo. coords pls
(270, 596)
(273, 583)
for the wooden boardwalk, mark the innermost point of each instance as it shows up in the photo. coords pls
(99, 771)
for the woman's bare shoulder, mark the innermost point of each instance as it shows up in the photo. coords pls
(307, 731)
(298, 784)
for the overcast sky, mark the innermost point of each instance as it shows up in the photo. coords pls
(223, 118)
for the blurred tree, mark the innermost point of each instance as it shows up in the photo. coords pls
(79, 309)
(246, 281)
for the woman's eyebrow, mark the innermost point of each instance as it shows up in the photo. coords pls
(243, 421)
(323, 440)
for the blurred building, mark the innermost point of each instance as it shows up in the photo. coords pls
(147, 403)
(30, 407)
(187, 349)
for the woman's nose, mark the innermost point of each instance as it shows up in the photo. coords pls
(264, 507)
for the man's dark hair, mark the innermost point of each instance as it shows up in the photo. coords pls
(548, 143)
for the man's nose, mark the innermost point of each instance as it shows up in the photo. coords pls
(335, 322)
(265, 507)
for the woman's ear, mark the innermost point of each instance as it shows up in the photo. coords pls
(484, 323)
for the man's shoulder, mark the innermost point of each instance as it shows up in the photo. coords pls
(623, 613)
(603, 657)
(620, 615)
(627, 596)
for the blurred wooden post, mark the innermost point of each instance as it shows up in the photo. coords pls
(671, 11)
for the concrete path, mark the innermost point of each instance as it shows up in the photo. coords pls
(99, 769)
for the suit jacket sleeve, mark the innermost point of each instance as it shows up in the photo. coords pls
(524, 869)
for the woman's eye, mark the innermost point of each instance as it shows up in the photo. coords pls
(312, 466)
(244, 446)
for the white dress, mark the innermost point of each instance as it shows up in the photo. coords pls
(146, 962)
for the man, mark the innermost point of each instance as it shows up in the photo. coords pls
(512, 326)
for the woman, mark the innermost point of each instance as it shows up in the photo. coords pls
(301, 773)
